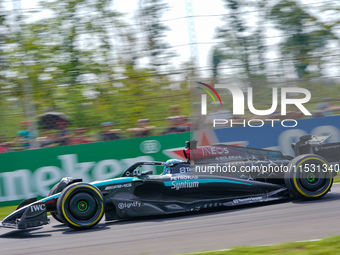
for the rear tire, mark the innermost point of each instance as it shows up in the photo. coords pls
(81, 206)
(308, 177)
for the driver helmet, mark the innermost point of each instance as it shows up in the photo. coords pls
(170, 161)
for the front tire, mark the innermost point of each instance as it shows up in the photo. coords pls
(81, 206)
(56, 189)
(308, 177)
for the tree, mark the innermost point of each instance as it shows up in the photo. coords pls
(305, 36)
(75, 52)
(150, 20)
(2, 68)
(80, 31)
(2, 40)
(240, 47)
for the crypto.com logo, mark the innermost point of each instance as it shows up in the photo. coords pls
(238, 100)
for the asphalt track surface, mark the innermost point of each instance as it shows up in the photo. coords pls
(249, 225)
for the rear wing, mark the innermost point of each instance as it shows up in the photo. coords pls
(222, 153)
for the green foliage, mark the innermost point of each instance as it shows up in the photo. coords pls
(330, 245)
(240, 45)
(6, 210)
(304, 39)
(150, 18)
(66, 62)
(306, 36)
(84, 60)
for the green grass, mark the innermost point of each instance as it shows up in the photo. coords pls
(337, 178)
(327, 246)
(5, 210)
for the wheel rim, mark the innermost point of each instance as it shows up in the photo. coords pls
(83, 206)
(312, 181)
(311, 177)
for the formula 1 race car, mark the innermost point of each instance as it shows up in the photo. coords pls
(213, 176)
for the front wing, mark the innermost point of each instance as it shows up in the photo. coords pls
(30, 216)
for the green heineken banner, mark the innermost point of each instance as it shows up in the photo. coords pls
(31, 173)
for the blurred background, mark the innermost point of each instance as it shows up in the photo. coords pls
(80, 71)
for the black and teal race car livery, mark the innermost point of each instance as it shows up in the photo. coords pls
(187, 186)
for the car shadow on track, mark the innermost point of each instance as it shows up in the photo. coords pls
(56, 227)
(40, 232)
(99, 227)
(26, 233)
(328, 198)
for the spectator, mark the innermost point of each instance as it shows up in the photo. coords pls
(174, 110)
(218, 113)
(275, 115)
(64, 134)
(25, 135)
(4, 146)
(108, 133)
(325, 108)
(176, 125)
(48, 139)
(142, 128)
(184, 123)
(80, 137)
(293, 113)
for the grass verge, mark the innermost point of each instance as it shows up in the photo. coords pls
(327, 246)
(5, 210)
